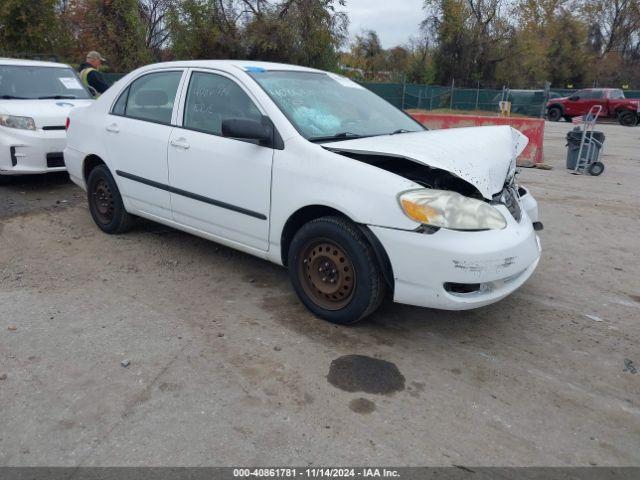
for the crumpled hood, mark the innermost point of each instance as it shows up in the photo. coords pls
(46, 113)
(483, 156)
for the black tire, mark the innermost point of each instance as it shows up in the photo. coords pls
(105, 202)
(5, 179)
(596, 168)
(627, 118)
(334, 270)
(554, 114)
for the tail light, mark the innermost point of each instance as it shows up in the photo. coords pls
(67, 124)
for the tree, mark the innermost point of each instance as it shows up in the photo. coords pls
(154, 17)
(30, 26)
(614, 37)
(204, 29)
(472, 38)
(367, 54)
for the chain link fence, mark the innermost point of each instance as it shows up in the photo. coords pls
(433, 97)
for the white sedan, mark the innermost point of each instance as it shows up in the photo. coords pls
(309, 170)
(35, 99)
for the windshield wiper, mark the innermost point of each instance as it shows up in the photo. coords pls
(13, 97)
(401, 130)
(337, 136)
(57, 97)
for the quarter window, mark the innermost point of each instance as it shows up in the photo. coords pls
(213, 98)
(119, 107)
(151, 97)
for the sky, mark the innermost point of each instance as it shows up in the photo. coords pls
(394, 20)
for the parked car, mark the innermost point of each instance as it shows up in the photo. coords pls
(525, 102)
(310, 170)
(613, 102)
(35, 99)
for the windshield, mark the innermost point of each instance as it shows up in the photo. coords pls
(22, 82)
(324, 106)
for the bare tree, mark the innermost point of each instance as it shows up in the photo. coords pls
(154, 16)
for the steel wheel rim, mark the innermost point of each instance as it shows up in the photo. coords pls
(327, 274)
(103, 201)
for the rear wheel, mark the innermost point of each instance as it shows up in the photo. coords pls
(628, 118)
(334, 270)
(105, 202)
(554, 114)
(5, 179)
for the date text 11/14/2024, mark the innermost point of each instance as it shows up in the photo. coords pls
(317, 472)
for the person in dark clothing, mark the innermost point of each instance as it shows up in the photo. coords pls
(89, 73)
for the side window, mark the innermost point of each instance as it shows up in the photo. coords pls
(151, 97)
(211, 99)
(590, 94)
(119, 107)
(616, 94)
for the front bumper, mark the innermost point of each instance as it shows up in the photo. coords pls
(493, 263)
(25, 152)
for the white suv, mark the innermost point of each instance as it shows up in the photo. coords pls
(308, 169)
(35, 99)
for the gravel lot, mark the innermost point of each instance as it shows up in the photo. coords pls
(227, 368)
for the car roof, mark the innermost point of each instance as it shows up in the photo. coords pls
(230, 64)
(598, 89)
(30, 63)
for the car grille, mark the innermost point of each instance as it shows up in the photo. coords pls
(55, 160)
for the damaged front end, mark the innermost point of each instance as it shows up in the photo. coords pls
(477, 163)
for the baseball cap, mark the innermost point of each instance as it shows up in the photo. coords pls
(94, 54)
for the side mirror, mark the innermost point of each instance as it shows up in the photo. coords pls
(245, 128)
(574, 98)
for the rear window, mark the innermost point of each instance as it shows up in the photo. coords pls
(616, 94)
(32, 82)
(150, 97)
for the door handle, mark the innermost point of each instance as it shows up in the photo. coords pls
(180, 143)
(113, 128)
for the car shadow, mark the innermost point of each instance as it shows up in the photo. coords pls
(36, 182)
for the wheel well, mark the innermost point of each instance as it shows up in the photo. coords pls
(556, 105)
(91, 162)
(311, 212)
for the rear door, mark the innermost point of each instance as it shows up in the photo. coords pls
(219, 185)
(136, 137)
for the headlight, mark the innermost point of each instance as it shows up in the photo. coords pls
(23, 123)
(445, 209)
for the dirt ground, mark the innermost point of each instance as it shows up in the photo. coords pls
(227, 368)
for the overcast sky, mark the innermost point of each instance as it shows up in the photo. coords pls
(394, 20)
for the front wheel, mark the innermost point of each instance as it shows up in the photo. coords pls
(596, 168)
(105, 202)
(554, 114)
(334, 270)
(628, 118)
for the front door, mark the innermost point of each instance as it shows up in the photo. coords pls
(137, 133)
(584, 100)
(219, 185)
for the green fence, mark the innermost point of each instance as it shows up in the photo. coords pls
(433, 97)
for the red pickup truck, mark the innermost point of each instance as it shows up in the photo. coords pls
(614, 105)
